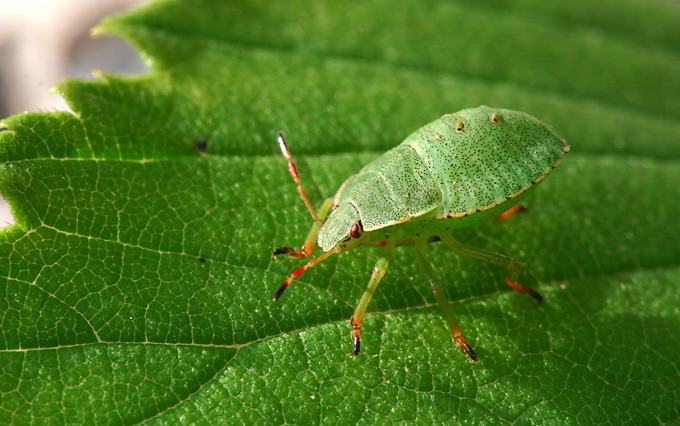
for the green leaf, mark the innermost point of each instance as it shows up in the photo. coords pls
(137, 282)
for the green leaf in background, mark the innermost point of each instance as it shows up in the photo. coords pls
(137, 283)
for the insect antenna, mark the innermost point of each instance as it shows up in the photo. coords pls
(302, 269)
(296, 177)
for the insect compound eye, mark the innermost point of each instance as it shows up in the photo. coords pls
(355, 230)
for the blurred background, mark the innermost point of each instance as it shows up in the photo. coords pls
(43, 42)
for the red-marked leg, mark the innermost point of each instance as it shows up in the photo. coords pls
(498, 259)
(357, 318)
(517, 208)
(522, 289)
(294, 173)
(310, 240)
(300, 270)
(443, 302)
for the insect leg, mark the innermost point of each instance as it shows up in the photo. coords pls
(498, 259)
(308, 245)
(444, 304)
(302, 269)
(358, 316)
(294, 173)
(517, 208)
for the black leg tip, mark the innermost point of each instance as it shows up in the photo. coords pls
(281, 250)
(466, 347)
(279, 292)
(537, 296)
(470, 352)
(357, 346)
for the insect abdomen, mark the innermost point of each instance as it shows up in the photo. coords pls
(481, 157)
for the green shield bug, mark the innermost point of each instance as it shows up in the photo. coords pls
(452, 173)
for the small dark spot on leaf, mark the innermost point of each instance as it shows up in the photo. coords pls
(201, 145)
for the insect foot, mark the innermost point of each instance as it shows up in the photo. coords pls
(281, 250)
(522, 289)
(356, 331)
(466, 348)
(290, 252)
